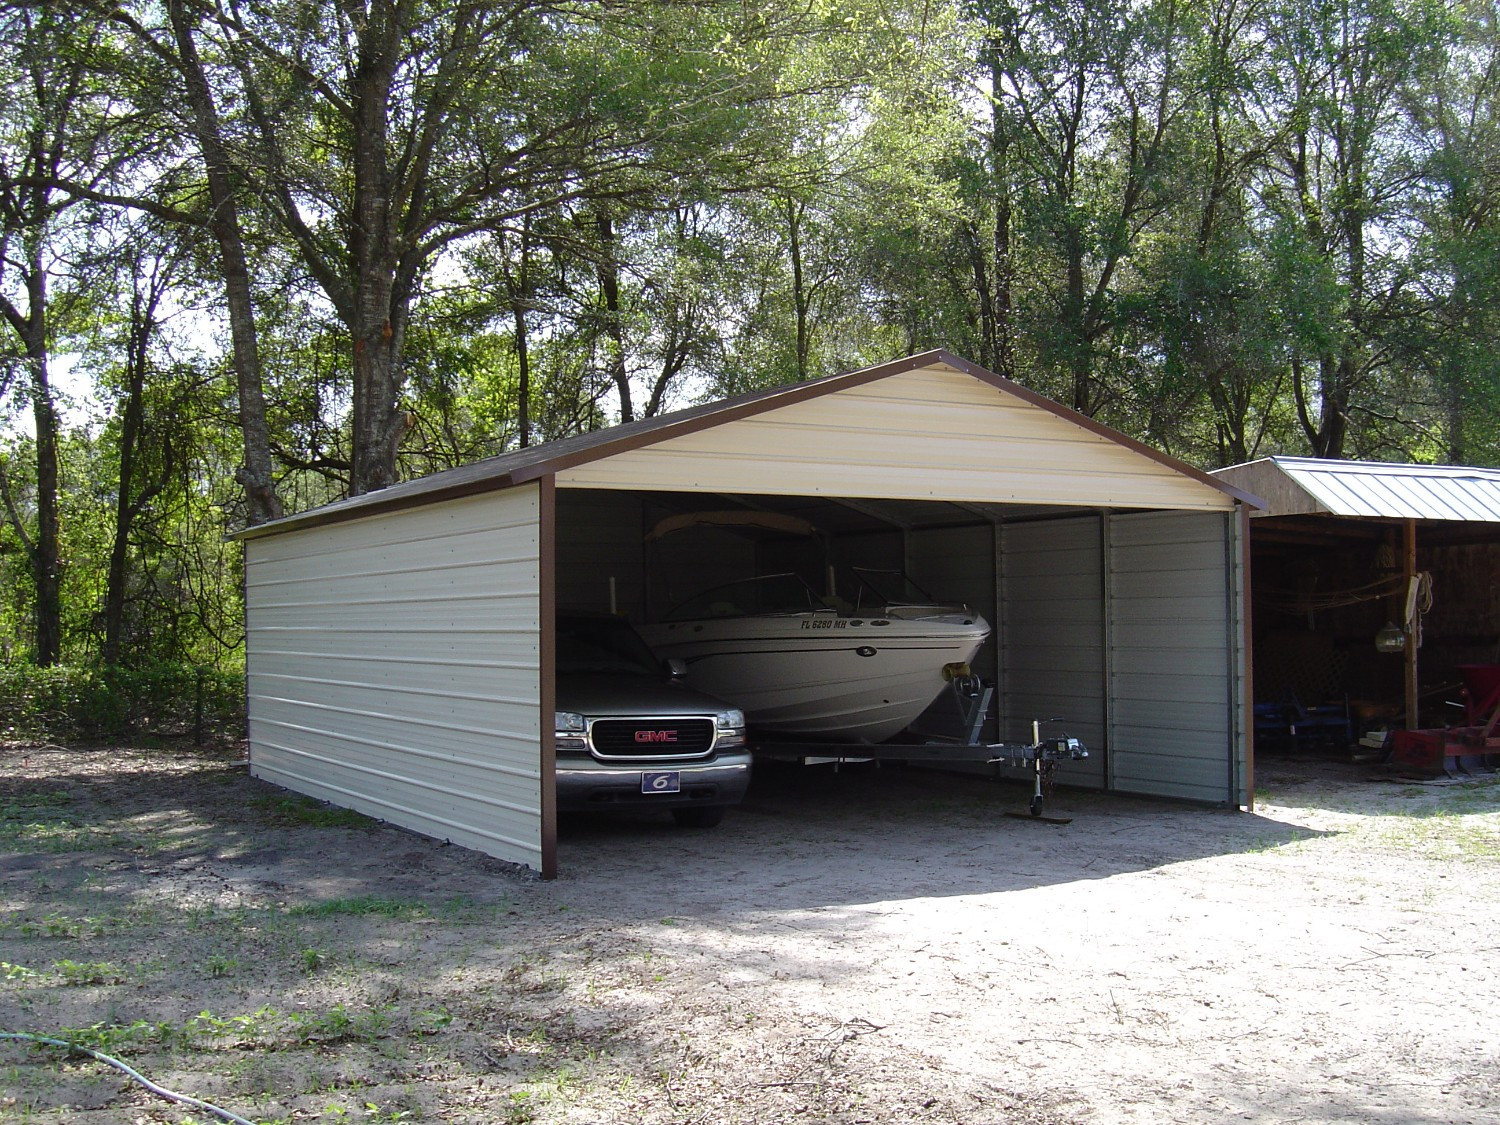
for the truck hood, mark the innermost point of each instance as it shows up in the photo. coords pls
(632, 696)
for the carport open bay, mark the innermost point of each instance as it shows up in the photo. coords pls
(861, 946)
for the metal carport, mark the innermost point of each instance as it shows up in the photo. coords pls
(399, 644)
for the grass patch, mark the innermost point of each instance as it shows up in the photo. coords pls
(362, 906)
(266, 1027)
(298, 811)
(1442, 833)
(88, 972)
(37, 822)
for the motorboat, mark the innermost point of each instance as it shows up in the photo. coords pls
(855, 666)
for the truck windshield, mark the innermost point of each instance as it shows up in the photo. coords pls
(602, 645)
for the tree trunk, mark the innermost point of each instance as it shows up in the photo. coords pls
(979, 267)
(518, 290)
(131, 500)
(380, 301)
(130, 428)
(614, 329)
(379, 424)
(45, 556)
(42, 550)
(794, 213)
(1074, 331)
(255, 473)
(1001, 331)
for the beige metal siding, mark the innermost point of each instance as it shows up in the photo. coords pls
(928, 434)
(393, 667)
(1052, 636)
(1176, 679)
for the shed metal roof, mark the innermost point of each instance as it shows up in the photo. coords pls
(1370, 489)
(963, 439)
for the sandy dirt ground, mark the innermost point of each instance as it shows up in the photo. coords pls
(866, 946)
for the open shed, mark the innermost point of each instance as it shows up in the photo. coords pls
(1374, 585)
(400, 644)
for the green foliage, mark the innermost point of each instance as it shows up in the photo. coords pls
(88, 972)
(364, 905)
(299, 810)
(161, 699)
(1228, 231)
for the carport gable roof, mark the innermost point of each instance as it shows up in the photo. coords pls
(1370, 489)
(961, 429)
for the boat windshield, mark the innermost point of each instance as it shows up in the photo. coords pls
(870, 589)
(775, 594)
(590, 645)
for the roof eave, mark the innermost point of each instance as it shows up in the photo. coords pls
(610, 442)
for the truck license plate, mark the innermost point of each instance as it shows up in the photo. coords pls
(661, 781)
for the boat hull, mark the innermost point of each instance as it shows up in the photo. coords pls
(818, 676)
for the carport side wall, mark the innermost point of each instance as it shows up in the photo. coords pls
(394, 667)
(1052, 637)
(1176, 656)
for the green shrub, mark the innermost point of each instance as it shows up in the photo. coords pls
(169, 700)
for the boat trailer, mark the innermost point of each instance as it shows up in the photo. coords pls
(964, 747)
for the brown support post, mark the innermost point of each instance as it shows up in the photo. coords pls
(1408, 573)
(1247, 642)
(547, 648)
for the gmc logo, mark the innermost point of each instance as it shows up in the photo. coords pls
(656, 736)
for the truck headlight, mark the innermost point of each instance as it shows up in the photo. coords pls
(731, 732)
(572, 730)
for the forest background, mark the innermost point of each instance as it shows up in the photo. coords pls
(262, 254)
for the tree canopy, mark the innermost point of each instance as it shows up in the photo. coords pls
(260, 254)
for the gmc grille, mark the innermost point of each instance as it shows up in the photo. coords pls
(651, 738)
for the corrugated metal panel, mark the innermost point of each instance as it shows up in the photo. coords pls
(958, 564)
(599, 537)
(944, 380)
(393, 667)
(1051, 642)
(929, 434)
(1175, 678)
(1371, 489)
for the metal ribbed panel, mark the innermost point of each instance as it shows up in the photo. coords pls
(958, 564)
(1051, 638)
(929, 434)
(1371, 488)
(393, 668)
(1173, 675)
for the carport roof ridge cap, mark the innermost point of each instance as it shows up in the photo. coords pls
(520, 466)
(1385, 468)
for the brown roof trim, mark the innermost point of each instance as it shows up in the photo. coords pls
(550, 458)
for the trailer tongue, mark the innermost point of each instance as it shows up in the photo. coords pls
(974, 698)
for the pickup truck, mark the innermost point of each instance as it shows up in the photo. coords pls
(631, 735)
